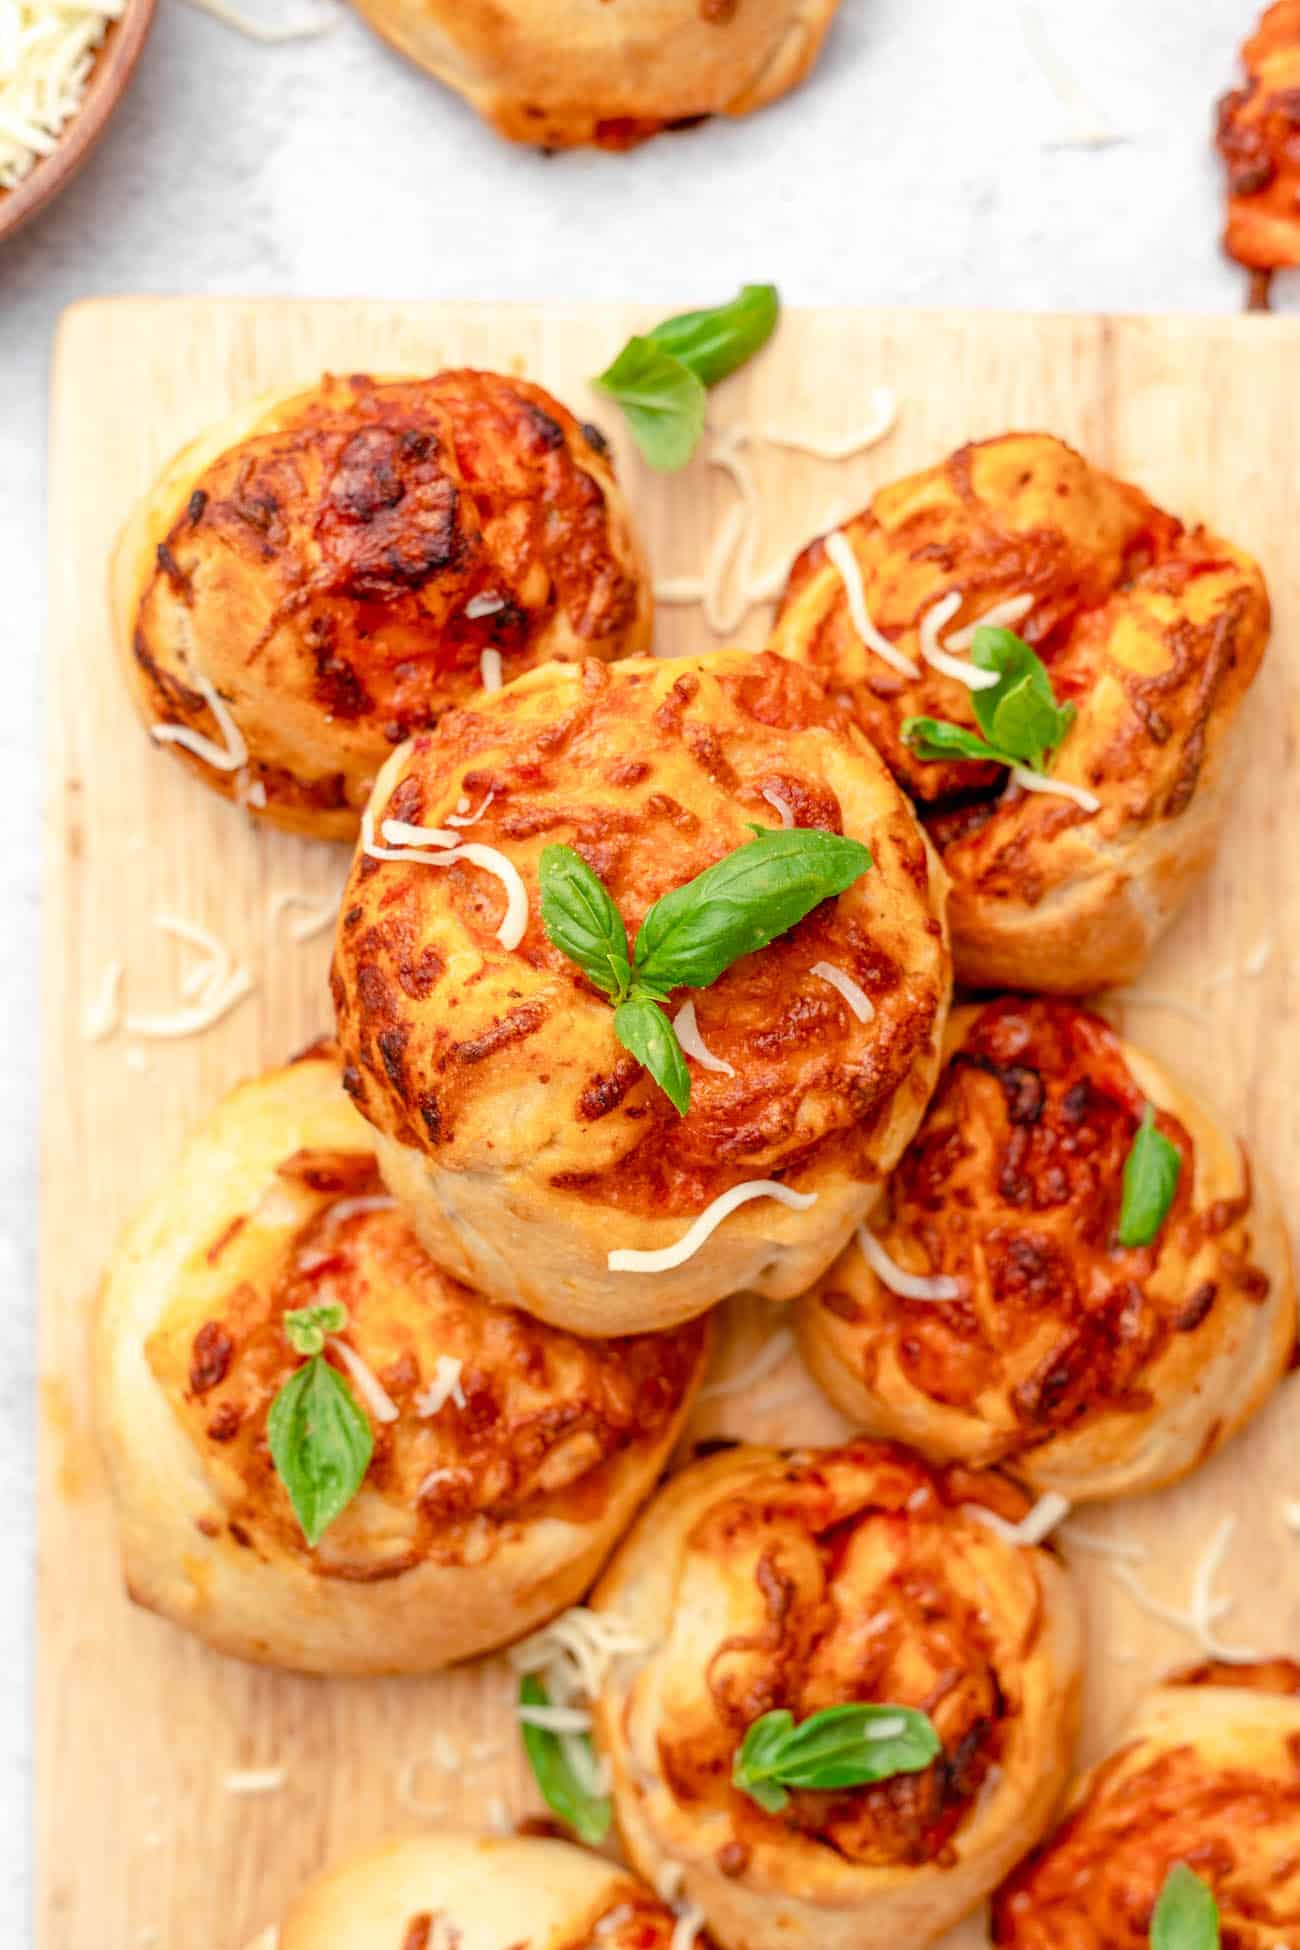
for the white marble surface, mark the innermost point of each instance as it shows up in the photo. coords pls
(930, 162)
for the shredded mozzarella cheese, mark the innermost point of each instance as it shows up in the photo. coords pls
(1126, 1550)
(484, 605)
(489, 670)
(47, 53)
(1061, 788)
(445, 1387)
(255, 1780)
(780, 806)
(376, 1396)
(320, 914)
(1001, 616)
(575, 1653)
(349, 1208)
(686, 1028)
(769, 1357)
(628, 1260)
(1204, 1610)
(269, 32)
(230, 757)
(882, 420)
(939, 658)
(687, 1928)
(556, 1719)
(1034, 1526)
(1291, 1516)
(103, 1011)
(514, 922)
(857, 998)
(464, 817)
(399, 832)
(908, 1286)
(839, 553)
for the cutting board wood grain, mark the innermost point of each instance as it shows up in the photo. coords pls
(141, 1840)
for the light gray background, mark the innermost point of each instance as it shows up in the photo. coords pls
(929, 162)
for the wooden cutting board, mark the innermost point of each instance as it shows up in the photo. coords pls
(141, 1840)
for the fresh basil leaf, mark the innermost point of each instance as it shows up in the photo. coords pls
(642, 1027)
(1019, 714)
(742, 903)
(1186, 1916)
(588, 1815)
(582, 921)
(935, 738)
(320, 1443)
(844, 1746)
(712, 344)
(305, 1328)
(662, 399)
(1150, 1180)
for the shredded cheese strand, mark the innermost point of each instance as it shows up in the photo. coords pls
(257, 30)
(1061, 788)
(857, 998)
(514, 922)
(839, 553)
(399, 832)
(1002, 616)
(628, 1260)
(908, 1286)
(686, 1028)
(556, 1719)
(230, 757)
(938, 657)
(320, 915)
(782, 807)
(377, 1398)
(883, 419)
(1204, 1610)
(1033, 1528)
(443, 1388)
(768, 1358)
(103, 1012)
(489, 670)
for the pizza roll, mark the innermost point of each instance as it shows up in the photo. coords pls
(998, 1319)
(436, 1891)
(1259, 140)
(531, 1149)
(563, 73)
(1149, 631)
(764, 1582)
(507, 1456)
(326, 571)
(1208, 1775)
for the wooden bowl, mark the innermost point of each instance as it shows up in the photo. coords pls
(114, 62)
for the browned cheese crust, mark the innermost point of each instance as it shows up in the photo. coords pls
(564, 73)
(335, 562)
(426, 1891)
(1088, 1368)
(523, 1138)
(1208, 1774)
(817, 1579)
(1259, 140)
(1153, 631)
(479, 1516)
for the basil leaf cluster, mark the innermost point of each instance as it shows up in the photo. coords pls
(1186, 1916)
(661, 380)
(562, 1788)
(844, 1746)
(693, 934)
(1019, 716)
(1150, 1181)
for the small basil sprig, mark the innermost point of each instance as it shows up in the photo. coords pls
(319, 1438)
(1150, 1181)
(1186, 1916)
(661, 379)
(1019, 716)
(690, 936)
(844, 1746)
(588, 1815)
